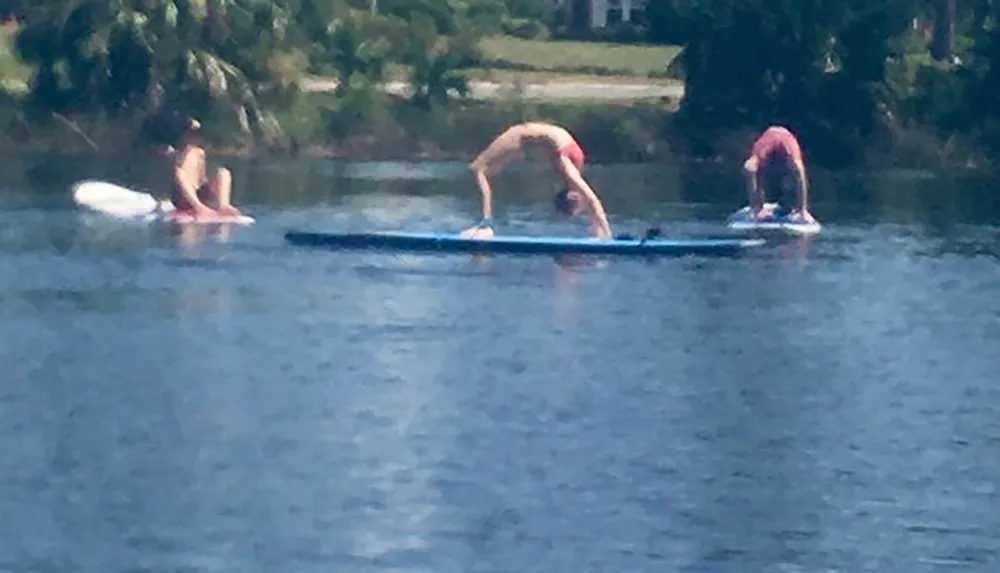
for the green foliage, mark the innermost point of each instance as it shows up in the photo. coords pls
(525, 29)
(843, 74)
(833, 71)
(448, 17)
(360, 109)
(941, 97)
(110, 56)
(544, 12)
(669, 21)
(231, 61)
(360, 47)
(435, 62)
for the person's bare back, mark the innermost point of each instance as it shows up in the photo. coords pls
(517, 140)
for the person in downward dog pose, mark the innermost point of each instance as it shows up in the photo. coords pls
(567, 159)
(776, 173)
(192, 187)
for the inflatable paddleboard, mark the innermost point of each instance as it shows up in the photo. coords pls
(408, 241)
(124, 203)
(741, 220)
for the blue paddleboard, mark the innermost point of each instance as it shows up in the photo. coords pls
(409, 241)
(741, 220)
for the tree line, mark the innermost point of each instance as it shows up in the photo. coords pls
(234, 58)
(846, 74)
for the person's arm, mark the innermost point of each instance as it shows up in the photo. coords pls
(483, 229)
(800, 169)
(754, 195)
(570, 171)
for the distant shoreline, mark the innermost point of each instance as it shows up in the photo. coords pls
(318, 126)
(616, 98)
(639, 131)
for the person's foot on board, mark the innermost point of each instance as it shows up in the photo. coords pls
(229, 211)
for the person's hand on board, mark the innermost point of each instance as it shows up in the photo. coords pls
(229, 211)
(204, 212)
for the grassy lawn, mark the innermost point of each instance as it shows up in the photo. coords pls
(539, 77)
(566, 57)
(507, 61)
(507, 76)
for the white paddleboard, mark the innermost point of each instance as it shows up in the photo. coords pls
(124, 203)
(741, 220)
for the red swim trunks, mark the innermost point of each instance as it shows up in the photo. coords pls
(574, 152)
(776, 139)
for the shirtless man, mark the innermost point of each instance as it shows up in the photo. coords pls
(566, 157)
(192, 185)
(775, 170)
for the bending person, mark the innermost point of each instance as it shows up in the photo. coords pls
(567, 159)
(776, 173)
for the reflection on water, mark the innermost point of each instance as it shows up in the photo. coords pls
(397, 171)
(216, 400)
(404, 407)
(189, 236)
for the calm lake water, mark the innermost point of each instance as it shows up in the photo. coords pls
(231, 404)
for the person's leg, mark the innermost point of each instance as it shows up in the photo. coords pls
(790, 192)
(755, 196)
(220, 185)
(764, 196)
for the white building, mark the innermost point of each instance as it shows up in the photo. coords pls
(600, 9)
